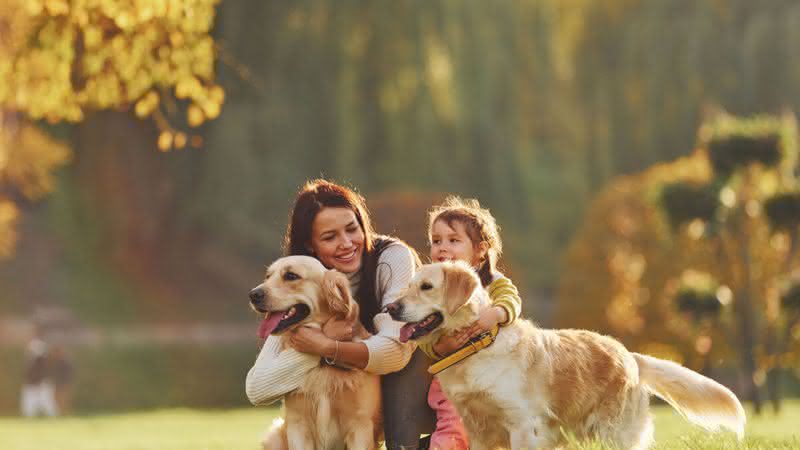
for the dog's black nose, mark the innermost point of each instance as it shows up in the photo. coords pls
(256, 295)
(394, 309)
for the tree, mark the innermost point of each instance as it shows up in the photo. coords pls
(753, 162)
(721, 213)
(60, 61)
(622, 263)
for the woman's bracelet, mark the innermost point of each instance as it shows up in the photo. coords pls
(331, 362)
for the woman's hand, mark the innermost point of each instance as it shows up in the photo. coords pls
(311, 340)
(338, 330)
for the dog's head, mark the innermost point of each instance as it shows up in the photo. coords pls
(299, 290)
(440, 297)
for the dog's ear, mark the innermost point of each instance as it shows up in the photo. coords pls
(336, 292)
(459, 284)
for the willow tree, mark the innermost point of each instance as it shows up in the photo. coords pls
(60, 61)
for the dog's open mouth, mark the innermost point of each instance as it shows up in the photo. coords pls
(415, 330)
(277, 321)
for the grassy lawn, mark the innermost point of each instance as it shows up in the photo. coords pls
(241, 429)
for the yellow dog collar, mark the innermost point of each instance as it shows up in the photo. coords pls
(475, 345)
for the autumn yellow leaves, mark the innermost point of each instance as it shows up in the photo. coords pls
(155, 57)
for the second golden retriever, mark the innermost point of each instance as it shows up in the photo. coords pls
(334, 407)
(532, 383)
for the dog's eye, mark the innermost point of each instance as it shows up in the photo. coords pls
(291, 276)
(426, 286)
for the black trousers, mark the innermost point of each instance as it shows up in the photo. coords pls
(406, 414)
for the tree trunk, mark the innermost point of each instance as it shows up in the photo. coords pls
(744, 315)
(773, 372)
(775, 345)
(745, 320)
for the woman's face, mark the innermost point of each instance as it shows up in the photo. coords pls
(337, 239)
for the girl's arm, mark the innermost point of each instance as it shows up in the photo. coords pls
(277, 372)
(506, 307)
(504, 294)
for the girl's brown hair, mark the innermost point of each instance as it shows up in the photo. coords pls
(479, 225)
(311, 199)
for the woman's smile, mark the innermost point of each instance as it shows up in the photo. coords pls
(347, 256)
(337, 239)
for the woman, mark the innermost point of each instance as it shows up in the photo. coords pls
(331, 223)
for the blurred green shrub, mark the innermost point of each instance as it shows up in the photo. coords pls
(118, 378)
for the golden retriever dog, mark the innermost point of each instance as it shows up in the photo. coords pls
(532, 383)
(334, 408)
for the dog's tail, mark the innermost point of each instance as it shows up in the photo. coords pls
(701, 400)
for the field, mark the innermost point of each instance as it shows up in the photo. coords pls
(240, 429)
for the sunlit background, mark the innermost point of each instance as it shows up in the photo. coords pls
(640, 157)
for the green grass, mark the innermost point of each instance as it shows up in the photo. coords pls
(171, 429)
(241, 429)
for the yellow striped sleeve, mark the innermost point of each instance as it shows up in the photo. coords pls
(504, 294)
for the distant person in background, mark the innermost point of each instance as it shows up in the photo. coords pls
(60, 373)
(330, 222)
(37, 396)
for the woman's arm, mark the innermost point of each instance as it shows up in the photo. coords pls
(277, 372)
(386, 353)
(379, 354)
(382, 353)
(308, 340)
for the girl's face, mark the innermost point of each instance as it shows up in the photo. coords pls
(451, 243)
(337, 239)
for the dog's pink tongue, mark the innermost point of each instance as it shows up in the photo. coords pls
(406, 331)
(269, 323)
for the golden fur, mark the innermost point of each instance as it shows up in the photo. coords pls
(521, 391)
(333, 408)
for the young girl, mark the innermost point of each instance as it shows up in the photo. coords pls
(461, 229)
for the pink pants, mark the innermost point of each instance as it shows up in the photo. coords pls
(450, 433)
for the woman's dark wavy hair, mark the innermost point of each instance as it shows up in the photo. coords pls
(318, 194)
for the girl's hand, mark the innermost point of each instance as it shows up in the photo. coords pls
(338, 330)
(311, 340)
(449, 343)
(488, 319)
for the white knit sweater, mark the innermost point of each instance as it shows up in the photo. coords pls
(276, 373)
